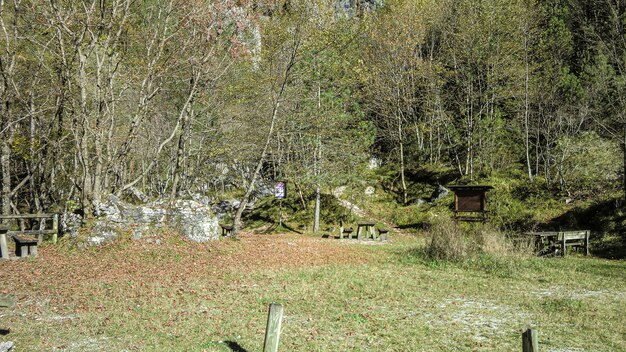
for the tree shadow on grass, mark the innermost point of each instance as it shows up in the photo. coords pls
(415, 226)
(607, 222)
(234, 346)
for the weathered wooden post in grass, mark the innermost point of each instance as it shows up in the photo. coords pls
(4, 249)
(272, 331)
(530, 341)
(55, 228)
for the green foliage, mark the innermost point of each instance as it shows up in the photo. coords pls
(588, 165)
(296, 216)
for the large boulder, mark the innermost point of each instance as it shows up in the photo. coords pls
(191, 218)
(194, 220)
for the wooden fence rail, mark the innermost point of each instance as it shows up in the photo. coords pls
(42, 218)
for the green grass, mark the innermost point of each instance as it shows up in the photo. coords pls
(395, 301)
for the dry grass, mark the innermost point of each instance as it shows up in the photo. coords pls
(338, 296)
(454, 242)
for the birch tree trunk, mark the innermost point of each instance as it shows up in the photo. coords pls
(237, 223)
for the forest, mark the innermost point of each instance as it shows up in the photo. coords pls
(150, 124)
(180, 97)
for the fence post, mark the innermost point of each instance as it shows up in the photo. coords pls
(272, 331)
(4, 249)
(55, 227)
(530, 341)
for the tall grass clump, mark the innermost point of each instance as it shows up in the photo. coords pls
(454, 242)
(447, 242)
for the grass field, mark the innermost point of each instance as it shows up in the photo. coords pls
(338, 296)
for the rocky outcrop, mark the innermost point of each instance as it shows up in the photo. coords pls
(191, 218)
(439, 193)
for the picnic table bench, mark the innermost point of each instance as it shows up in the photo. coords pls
(554, 241)
(383, 234)
(25, 246)
(227, 230)
(367, 228)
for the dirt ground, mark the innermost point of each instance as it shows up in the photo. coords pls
(60, 269)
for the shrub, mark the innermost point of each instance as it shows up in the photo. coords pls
(450, 241)
(447, 242)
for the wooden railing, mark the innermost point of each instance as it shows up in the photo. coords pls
(42, 219)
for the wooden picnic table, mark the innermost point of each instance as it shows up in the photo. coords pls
(559, 240)
(368, 227)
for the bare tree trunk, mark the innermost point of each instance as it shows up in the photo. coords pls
(7, 64)
(237, 224)
(5, 160)
(624, 176)
(402, 166)
(401, 147)
(180, 151)
(318, 161)
(527, 110)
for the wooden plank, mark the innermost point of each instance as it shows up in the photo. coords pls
(55, 228)
(530, 341)
(574, 235)
(4, 249)
(272, 332)
(33, 232)
(7, 301)
(32, 250)
(23, 251)
(27, 216)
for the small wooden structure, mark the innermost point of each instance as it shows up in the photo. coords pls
(4, 249)
(470, 202)
(42, 219)
(25, 246)
(558, 241)
(366, 228)
(227, 230)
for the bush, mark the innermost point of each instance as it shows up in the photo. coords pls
(447, 242)
(450, 241)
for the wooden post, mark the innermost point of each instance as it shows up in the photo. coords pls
(272, 331)
(586, 242)
(55, 227)
(341, 228)
(4, 249)
(530, 341)
(32, 250)
(563, 244)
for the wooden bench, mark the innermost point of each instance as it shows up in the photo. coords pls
(227, 230)
(575, 239)
(383, 233)
(554, 241)
(25, 246)
(348, 231)
(366, 228)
